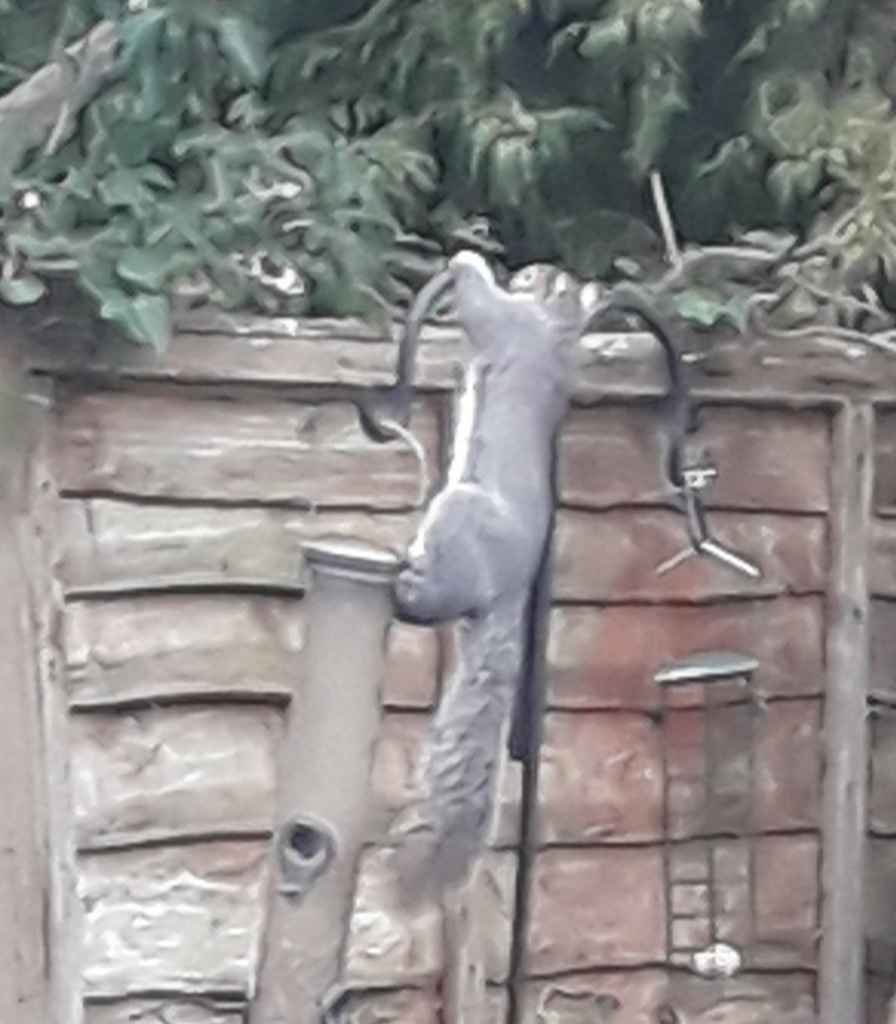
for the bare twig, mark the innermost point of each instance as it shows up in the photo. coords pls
(673, 252)
(40, 107)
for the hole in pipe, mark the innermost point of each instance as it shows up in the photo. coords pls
(306, 842)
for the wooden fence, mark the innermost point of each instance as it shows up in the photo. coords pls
(153, 621)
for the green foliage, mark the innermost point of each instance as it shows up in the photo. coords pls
(319, 155)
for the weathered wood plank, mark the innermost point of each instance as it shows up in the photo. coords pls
(162, 774)
(601, 777)
(266, 350)
(24, 872)
(115, 546)
(883, 649)
(182, 448)
(603, 907)
(388, 946)
(614, 455)
(162, 1011)
(882, 786)
(183, 919)
(596, 908)
(882, 564)
(230, 347)
(653, 995)
(885, 464)
(182, 646)
(385, 946)
(613, 556)
(606, 657)
(413, 666)
(178, 647)
(879, 905)
(399, 745)
(400, 1006)
(841, 994)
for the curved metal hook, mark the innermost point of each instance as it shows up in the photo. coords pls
(380, 415)
(688, 481)
(628, 299)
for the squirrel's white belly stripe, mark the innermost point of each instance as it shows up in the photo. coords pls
(466, 423)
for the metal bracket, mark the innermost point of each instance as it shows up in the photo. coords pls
(695, 480)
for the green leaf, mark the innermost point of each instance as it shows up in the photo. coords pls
(700, 305)
(150, 268)
(244, 44)
(658, 101)
(147, 318)
(21, 289)
(792, 180)
(602, 38)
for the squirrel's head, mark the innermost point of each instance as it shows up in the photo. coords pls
(542, 281)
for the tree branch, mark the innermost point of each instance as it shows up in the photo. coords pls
(38, 108)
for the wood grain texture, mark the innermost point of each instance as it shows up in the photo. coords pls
(266, 452)
(596, 908)
(24, 872)
(110, 547)
(242, 347)
(882, 787)
(841, 994)
(614, 455)
(181, 919)
(390, 946)
(63, 909)
(613, 556)
(606, 657)
(176, 646)
(652, 995)
(170, 774)
(268, 351)
(399, 745)
(163, 1011)
(879, 905)
(392, 1006)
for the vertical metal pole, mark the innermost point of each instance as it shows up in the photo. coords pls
(324, 782)
(524, 745)
(841, 981)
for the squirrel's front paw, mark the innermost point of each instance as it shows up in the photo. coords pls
(409, 591)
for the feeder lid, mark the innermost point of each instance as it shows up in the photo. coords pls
(350, 556)
(706, 667)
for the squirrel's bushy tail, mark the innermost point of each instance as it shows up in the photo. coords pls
(441, 833)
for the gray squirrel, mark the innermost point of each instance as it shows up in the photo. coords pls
(478, 550)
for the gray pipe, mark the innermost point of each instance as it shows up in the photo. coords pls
(323, 798)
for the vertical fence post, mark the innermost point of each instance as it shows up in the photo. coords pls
(841, 981)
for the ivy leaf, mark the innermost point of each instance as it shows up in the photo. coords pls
(244, 44)
(147, 318)
(792, 180)
(700, 305)
(150, 268)
(21, 289)
(602, 38)
(658, 100)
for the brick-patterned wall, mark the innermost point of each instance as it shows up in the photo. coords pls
(177, 507)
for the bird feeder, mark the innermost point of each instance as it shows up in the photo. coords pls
(708, 754)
